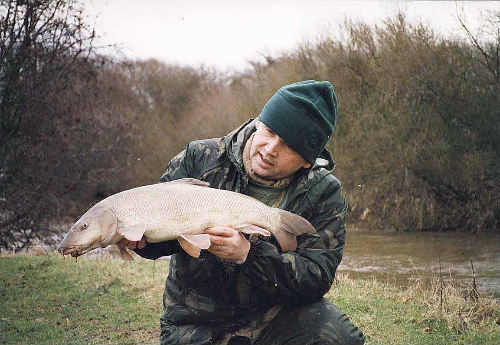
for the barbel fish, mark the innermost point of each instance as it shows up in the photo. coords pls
(178, 210)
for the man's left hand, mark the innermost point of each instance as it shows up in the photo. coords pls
(228, 243)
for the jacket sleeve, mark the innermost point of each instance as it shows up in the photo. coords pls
(179, 167)
(307, 273)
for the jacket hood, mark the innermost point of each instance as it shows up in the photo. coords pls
(236, 140)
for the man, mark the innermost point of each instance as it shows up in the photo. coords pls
(246, 290)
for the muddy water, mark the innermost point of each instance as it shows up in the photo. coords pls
(405, 257)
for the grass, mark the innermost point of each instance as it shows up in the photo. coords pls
(418, 314)
(50, 300)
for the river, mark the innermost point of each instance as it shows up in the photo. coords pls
(404, 257)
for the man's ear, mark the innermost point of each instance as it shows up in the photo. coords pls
(306, 165)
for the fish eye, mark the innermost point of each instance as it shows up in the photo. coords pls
(84, 226)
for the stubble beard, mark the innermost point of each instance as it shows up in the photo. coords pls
(263, 177)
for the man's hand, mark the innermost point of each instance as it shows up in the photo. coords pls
(228, 243)
(124, 243)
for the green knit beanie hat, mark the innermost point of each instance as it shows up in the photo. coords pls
(304, 115)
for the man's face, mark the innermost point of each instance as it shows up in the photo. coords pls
(271, 157)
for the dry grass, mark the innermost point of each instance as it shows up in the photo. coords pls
(460, 307)
(417, 314)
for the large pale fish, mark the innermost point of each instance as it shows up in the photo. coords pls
(178, 210)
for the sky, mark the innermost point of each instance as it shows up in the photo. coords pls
(227, 34)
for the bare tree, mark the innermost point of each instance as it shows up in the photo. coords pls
(39, 41)
(43, 43)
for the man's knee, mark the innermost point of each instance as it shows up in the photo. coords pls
(342, 331)
(331, 326)
(317, 323)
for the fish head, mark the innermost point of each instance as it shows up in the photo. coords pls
(92, 230)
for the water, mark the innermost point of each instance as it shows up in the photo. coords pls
(404, 257)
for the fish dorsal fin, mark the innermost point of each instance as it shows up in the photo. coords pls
(126, 255)
(133, 232)
(192, 181)
(193, 244)
(253, 229)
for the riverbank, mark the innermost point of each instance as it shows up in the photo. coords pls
(47, 299)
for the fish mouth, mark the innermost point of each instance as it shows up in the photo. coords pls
(265, 160)
(75, 251)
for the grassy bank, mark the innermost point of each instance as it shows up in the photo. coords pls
(51, 300)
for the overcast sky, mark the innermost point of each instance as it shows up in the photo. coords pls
(226, 34)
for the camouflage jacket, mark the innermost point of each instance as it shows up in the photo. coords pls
(212, 290)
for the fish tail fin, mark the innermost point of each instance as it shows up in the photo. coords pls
(292, 226)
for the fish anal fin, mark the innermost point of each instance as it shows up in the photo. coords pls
(253, 229)
(126, 255)
(193, 181)
(189, 248)
(132, 232)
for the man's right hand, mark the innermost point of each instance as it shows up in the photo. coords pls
(124, 243)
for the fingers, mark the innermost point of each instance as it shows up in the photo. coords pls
(234, 248)
(124, 243)
(224, 239)
(222, 236)
(225, 245)
(142, 243)
(221, 250)
(220, 241)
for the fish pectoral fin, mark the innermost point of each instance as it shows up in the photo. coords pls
(194, 181)
(132, 232)
(253, 229)
(126, 255)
